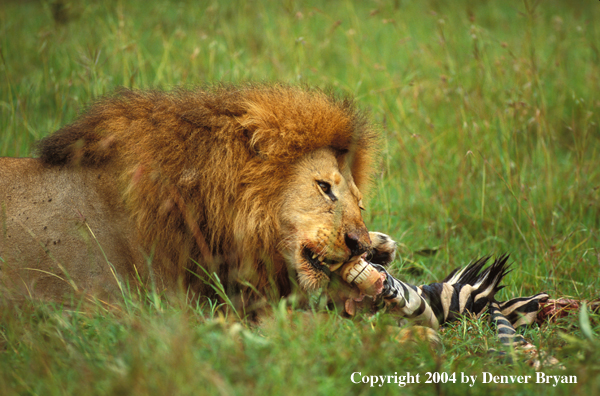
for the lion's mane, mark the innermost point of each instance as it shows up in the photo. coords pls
(201, 170)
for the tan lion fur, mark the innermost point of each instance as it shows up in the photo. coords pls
(202, 177)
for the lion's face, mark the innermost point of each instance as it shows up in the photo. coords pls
(321, 222)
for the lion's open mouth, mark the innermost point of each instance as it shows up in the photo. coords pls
(320, 263)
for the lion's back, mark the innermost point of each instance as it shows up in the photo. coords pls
(59, 229)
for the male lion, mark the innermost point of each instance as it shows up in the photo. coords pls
(260, 184)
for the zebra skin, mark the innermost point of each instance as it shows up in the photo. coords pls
(465, 291)
(470, 290)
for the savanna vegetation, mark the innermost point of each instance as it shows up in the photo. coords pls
(489, 112)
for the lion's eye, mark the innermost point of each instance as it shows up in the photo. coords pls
(326, 188)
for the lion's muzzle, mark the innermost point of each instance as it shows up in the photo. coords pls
(357, 241)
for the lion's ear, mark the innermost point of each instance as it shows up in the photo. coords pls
(252, 145)
(269, 138)
(253, 135)
(257, 146)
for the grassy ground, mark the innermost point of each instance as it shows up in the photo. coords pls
(492, 144)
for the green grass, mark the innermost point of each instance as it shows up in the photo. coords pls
(489, 112)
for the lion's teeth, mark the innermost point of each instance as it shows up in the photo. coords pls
(314, 256)
(321, 258)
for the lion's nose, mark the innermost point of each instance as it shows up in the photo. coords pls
(358, 243)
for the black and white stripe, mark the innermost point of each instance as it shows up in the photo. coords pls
(465, 291)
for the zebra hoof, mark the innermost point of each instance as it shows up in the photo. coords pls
(364, 276)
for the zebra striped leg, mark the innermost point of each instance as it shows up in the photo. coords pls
(522, 311)
(515, 313)
(471, 291)
(505, 330)
(405, 300)
(467, 291)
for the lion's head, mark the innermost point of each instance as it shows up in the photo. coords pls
(255, 182)
(321, 222)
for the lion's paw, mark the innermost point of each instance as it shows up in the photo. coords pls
(383, 249)
(419, 334)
